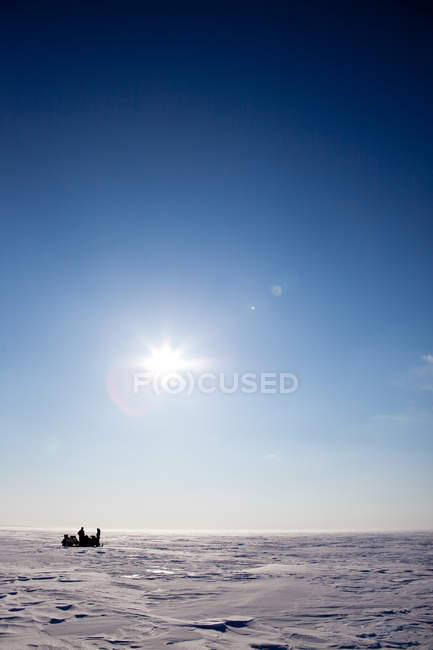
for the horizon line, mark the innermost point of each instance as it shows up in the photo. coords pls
(227, 530)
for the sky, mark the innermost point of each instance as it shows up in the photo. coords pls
(243, 188)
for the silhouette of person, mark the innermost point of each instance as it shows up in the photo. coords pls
(98, 536)
(65, 541)
(81, 536)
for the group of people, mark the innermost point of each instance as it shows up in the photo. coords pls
(83, 539)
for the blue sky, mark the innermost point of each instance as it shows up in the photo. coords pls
(161, 172)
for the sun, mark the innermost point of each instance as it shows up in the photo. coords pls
(165, 359)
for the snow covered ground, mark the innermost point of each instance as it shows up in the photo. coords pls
(195, 591)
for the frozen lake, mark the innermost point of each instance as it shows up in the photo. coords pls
(193, 591)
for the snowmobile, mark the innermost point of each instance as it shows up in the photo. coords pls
(84, 540)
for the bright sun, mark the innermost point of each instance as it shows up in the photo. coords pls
(165, 359)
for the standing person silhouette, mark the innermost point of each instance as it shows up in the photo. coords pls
(81, 536)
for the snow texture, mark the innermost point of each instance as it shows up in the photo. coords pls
(189, 591)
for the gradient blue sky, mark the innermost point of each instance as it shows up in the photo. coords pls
(161, 170)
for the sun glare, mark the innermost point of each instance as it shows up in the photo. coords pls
(165, 359)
